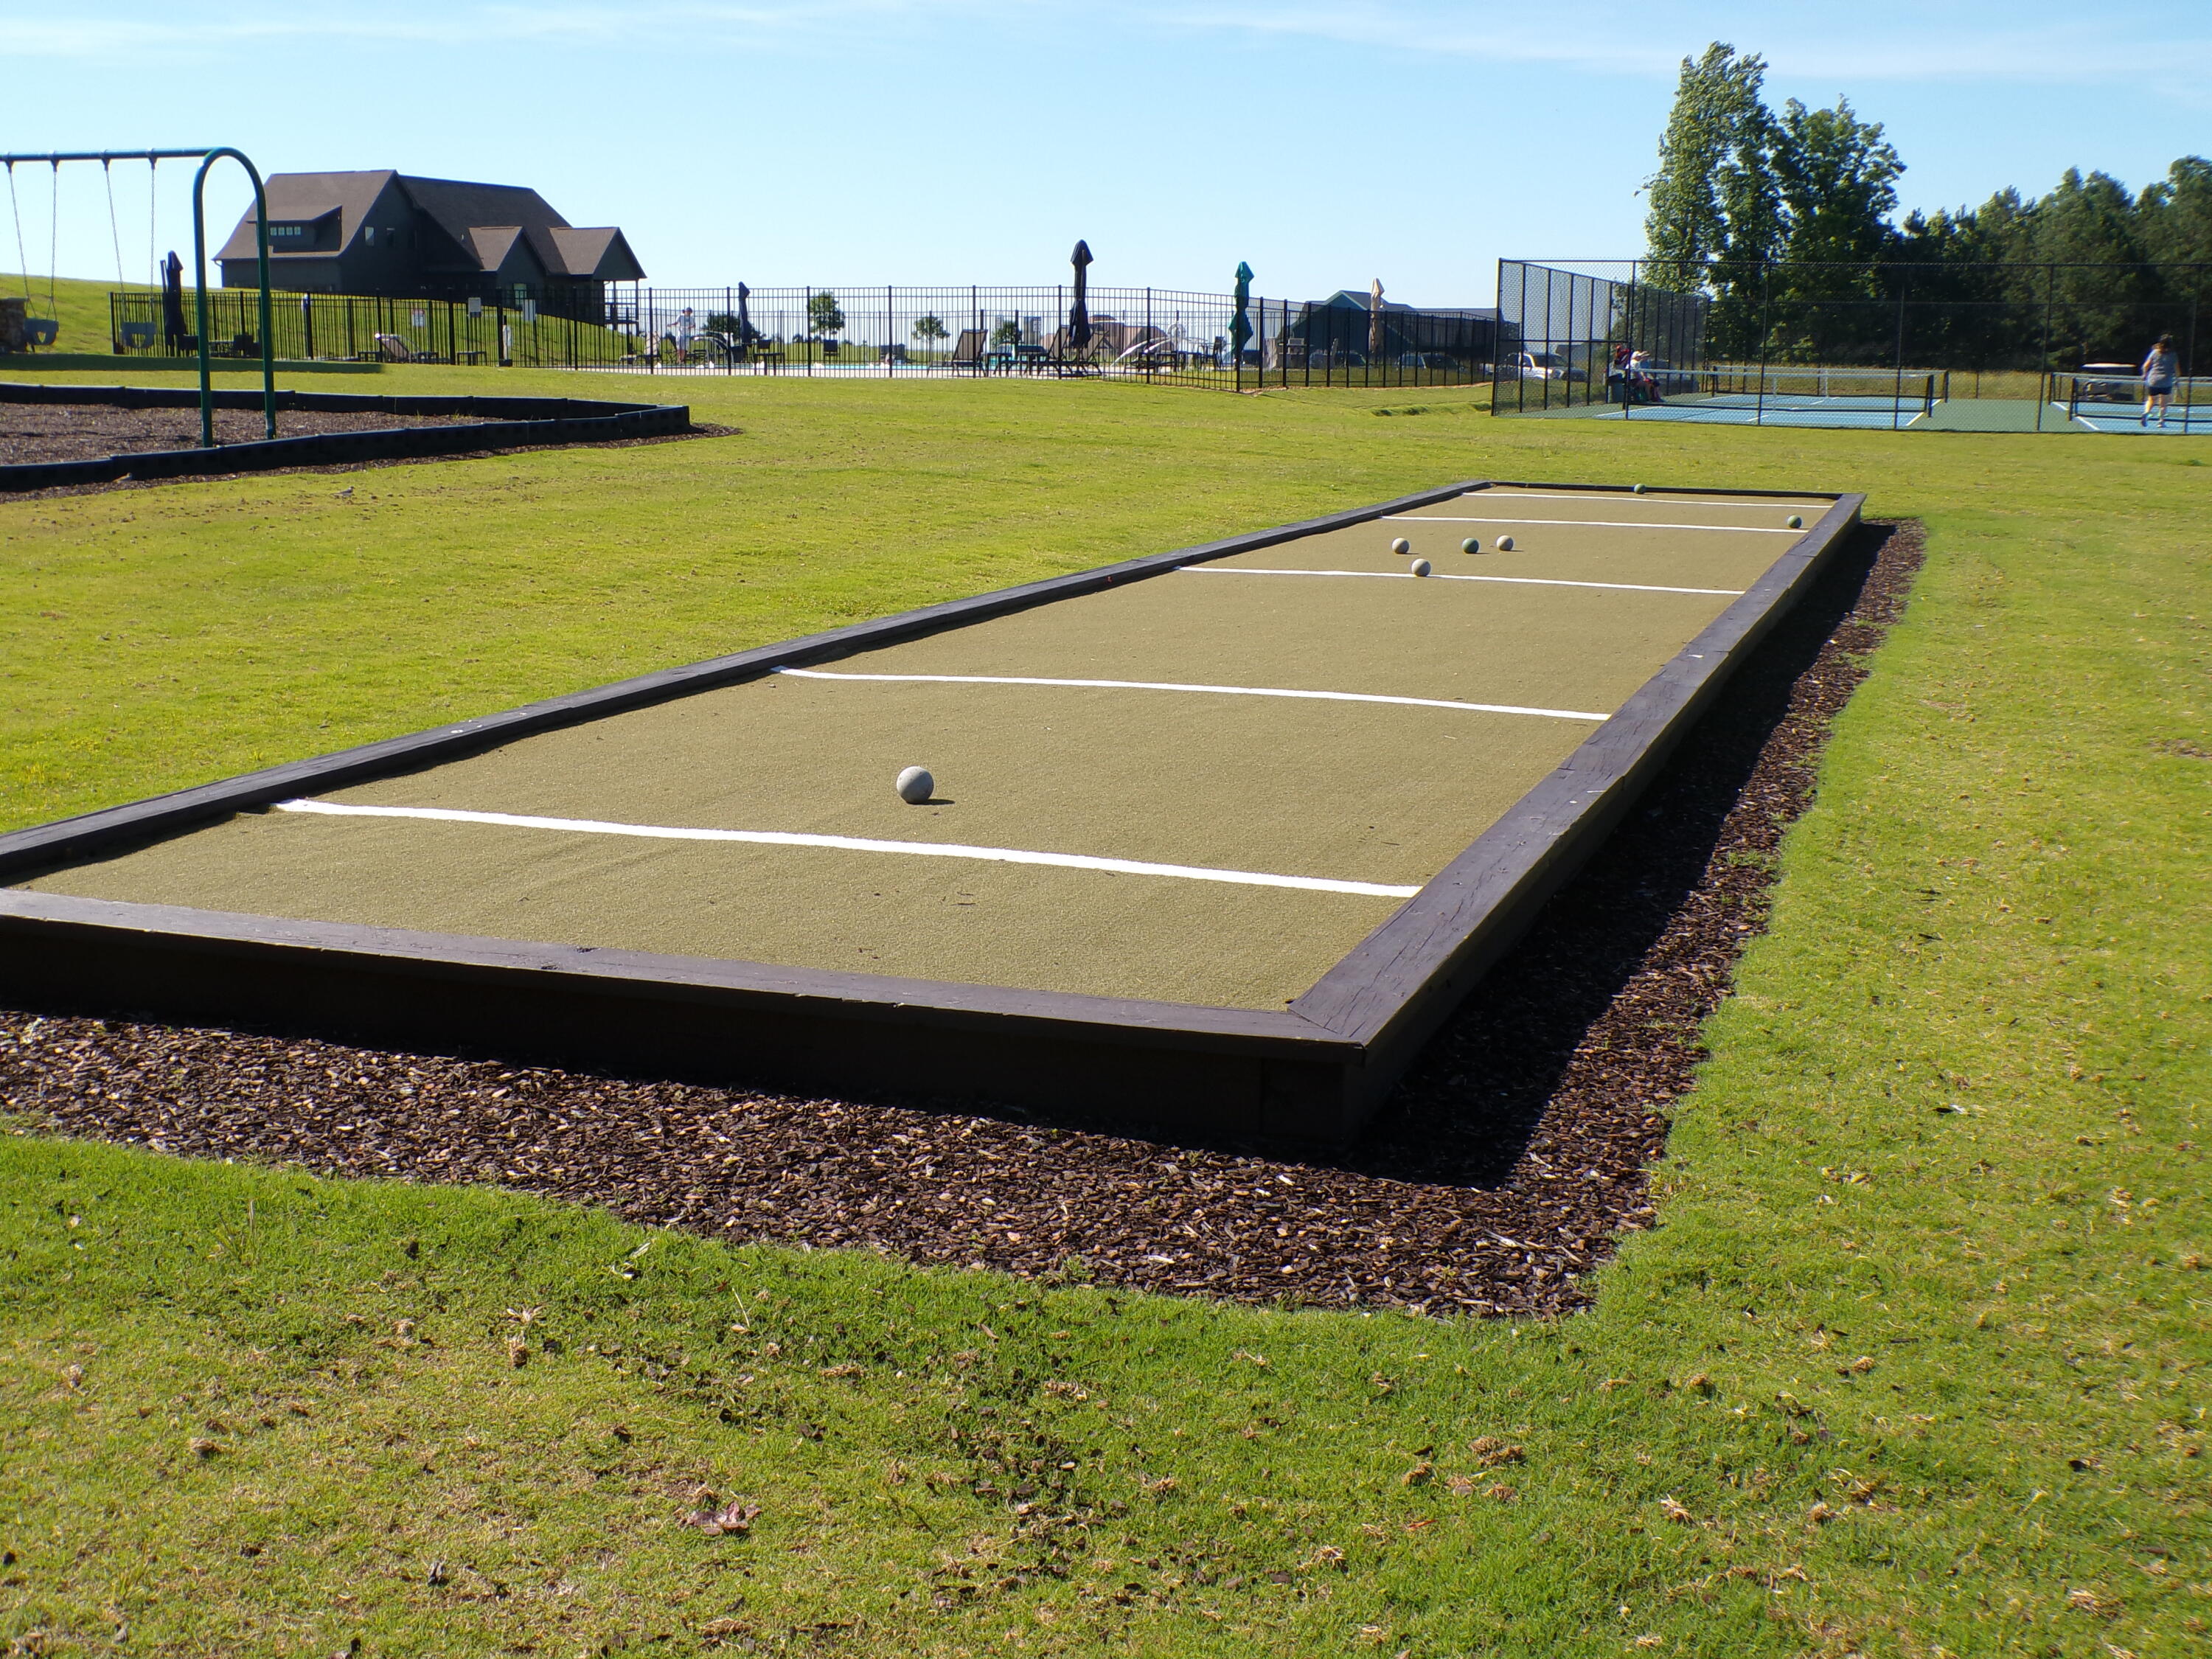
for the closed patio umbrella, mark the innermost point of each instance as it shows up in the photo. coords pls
(173, 303)
(1374, 322)
(1240, 325)
(1079, 310)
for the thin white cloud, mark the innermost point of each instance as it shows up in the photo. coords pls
(1866, 43)
(2136, 43)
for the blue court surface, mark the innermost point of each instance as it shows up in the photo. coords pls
(2194, 423)
(1744, 409)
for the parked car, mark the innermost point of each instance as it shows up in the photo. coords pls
(1542, 366)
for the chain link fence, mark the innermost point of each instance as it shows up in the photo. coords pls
(1990, 332)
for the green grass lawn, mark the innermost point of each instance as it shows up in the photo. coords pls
(1909, 1366)
(80, 307)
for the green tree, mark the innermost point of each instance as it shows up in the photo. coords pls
(1716, 211)
(1714, 194)
(1007, 333)
(1836, 177)
(823, 315)
(2177, 214)
(929, 329)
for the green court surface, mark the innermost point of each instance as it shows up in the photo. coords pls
(1204, 786)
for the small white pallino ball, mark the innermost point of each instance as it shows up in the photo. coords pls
(915, 786)
(1505, 543)
(1795, 522)
(1401, 546)
(1472, 544)
(1421, 566)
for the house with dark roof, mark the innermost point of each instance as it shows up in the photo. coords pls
(385, 233)
(1338, 326)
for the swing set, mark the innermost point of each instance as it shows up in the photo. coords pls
(43, 331)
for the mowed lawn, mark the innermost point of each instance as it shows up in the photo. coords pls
(1909, 1365)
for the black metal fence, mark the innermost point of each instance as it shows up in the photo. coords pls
(1144, 334)
(2000, 331)
(357, 328)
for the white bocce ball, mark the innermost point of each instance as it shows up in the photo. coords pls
(915, 786)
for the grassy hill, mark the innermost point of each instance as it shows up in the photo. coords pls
(81, 307)
(1911, 1364)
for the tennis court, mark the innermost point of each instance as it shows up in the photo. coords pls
(1758, 395)
(2114, 403)
(1208, 782)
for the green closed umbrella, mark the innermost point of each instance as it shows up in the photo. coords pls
(1240, 327)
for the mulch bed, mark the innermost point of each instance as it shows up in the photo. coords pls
(1514, 1154)
(87, 432)
(92, 432)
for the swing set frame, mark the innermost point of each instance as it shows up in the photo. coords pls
(207, 158)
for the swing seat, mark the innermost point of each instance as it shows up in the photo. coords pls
(138, 336)
(40, 332)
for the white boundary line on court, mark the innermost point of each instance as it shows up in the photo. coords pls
(1218, 690)
(1657, 498)
(1440, 576)
(1595, 524)
(858, 844)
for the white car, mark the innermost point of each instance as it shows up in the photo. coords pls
(1544, 365)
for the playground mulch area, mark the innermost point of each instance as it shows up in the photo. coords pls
(33, 433)
(1515, 1152)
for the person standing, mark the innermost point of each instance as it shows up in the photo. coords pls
(686, 326)
(2158, 370)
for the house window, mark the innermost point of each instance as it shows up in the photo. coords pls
(369, 235)
(288, 232)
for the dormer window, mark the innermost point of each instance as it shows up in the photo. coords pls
(288, 233)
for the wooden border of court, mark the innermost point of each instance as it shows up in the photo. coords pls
(1315, 1072)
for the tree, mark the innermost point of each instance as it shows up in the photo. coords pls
(1836, 177)
(1715, 212)
(929, 329)
(1007, 333)
(1713, 195)
(823, 315)
(2176, 215)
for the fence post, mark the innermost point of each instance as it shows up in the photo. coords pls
(2043, 372)
(1897, 391)
(1765, 338)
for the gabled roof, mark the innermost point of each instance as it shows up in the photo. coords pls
(296, 196)
(601, 252)
(457, 206)
(1355, 299)
(491, 244)
(476, 224)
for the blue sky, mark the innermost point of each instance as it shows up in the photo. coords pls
(958, 140)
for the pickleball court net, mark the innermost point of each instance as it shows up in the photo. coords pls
(2102, 399)
(1807, 388)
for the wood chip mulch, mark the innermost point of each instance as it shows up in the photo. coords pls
(89, 432)
(92, 432)
(1514, 1152)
